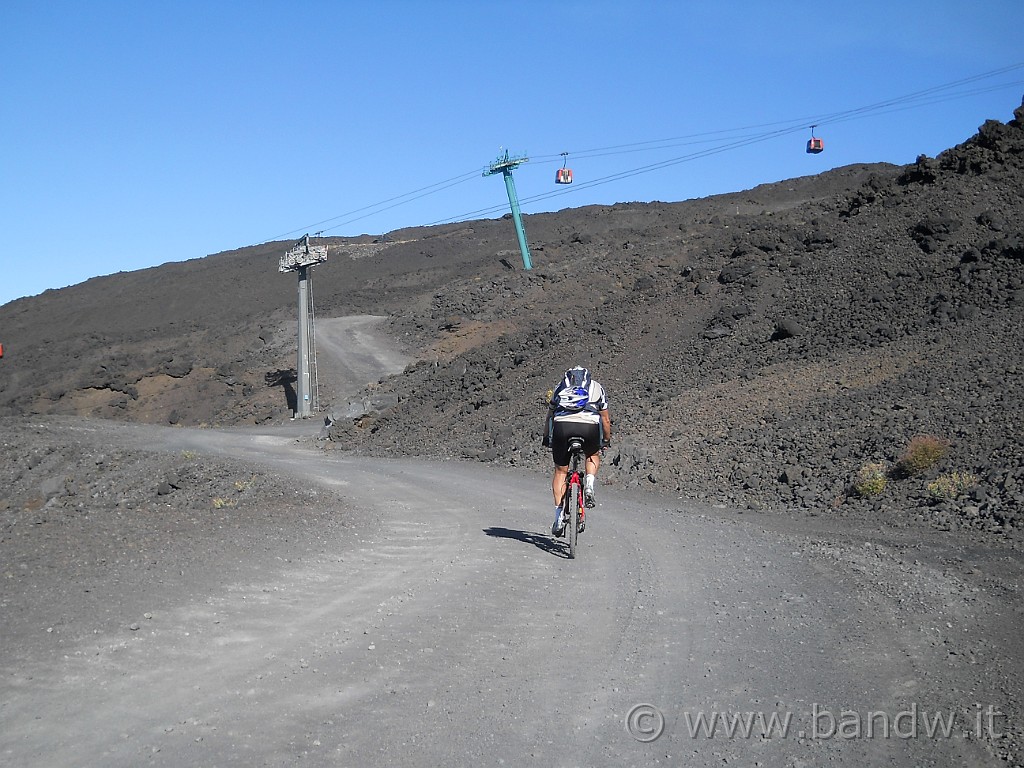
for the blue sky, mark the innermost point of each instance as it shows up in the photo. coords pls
(137, 133)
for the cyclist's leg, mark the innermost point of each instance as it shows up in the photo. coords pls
(593, 464)
(560, 456)
(592, 446)
(558, 491)
(558, 483)
(560, 434)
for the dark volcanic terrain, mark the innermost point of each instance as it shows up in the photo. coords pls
(761, 349)
(836, 358)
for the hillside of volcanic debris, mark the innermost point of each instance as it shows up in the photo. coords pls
(773, 350)
(784, 348)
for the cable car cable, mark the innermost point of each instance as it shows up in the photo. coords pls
(899, 103)
(818, 119)
(630, 173)
(437, 187)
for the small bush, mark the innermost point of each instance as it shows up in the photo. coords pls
(952, 485)
(870, 480)
(221, 503)
(923, 453)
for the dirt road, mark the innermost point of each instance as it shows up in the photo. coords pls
(353, 351)
(451, 629)
(442, 625)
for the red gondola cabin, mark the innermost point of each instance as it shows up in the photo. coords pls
(563, 176)
(815, 145)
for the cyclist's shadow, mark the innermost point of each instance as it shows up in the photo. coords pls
(539, 540)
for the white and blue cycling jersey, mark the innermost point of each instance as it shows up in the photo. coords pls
(582, 404)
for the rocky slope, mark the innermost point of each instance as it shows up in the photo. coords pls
(760, 349)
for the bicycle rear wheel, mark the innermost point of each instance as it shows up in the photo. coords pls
(574, 517)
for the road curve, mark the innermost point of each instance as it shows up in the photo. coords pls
(448, 628)
(451, 629)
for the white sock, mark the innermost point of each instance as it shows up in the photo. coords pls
(591, 479)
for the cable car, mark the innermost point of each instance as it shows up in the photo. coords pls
(563, 175)
(815, 145)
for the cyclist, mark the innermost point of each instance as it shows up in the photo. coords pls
(577, 407)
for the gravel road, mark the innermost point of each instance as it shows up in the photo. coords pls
(441, 624)
(449, 628)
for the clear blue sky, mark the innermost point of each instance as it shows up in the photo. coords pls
(136, 133)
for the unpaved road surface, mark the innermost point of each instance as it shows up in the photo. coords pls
(449, 628)
(442, 625)
(353, 352)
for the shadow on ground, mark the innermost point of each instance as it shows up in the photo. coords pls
(540, 540)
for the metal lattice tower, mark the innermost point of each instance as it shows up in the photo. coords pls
(505, 165)
(299, 258)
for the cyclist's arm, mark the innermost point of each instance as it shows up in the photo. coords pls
(606, 425)
(546, 439)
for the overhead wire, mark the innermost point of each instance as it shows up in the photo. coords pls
(916, 95)
(724, 140)
(803, 121)
(631, 172)
(922, 103)
(413, 195)
(350, 219)
(792, 127)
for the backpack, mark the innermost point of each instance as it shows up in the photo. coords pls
(573, 394)
(572, 399)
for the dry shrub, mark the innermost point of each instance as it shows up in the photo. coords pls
(922, 453)
(952, 485)
(870, 480)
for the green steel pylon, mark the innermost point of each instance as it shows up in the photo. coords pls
(505, 165)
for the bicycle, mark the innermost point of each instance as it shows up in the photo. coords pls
(573, 500)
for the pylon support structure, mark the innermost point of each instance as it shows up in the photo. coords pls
(505, 165)
(300, 258)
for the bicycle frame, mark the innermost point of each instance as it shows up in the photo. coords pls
(572, 500)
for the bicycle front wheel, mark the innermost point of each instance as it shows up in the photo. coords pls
(573, 527)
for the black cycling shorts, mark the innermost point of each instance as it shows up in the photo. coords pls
(563, 430)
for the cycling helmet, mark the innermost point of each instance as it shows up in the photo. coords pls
(578, 377)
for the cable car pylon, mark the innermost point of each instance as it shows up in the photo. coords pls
(301, 258)
(505, 165)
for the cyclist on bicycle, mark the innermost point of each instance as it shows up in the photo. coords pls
(577, 407)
